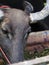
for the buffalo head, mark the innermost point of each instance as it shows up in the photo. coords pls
(14, 30)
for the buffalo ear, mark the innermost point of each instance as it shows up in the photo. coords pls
(28, 8)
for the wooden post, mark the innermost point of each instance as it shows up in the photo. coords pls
(38, 37)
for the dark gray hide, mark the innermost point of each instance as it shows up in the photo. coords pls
(16, 29)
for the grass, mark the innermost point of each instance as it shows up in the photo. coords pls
(28, 55)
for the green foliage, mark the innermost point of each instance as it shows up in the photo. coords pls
(28, 55)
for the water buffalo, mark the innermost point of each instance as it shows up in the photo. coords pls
(14, 29)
